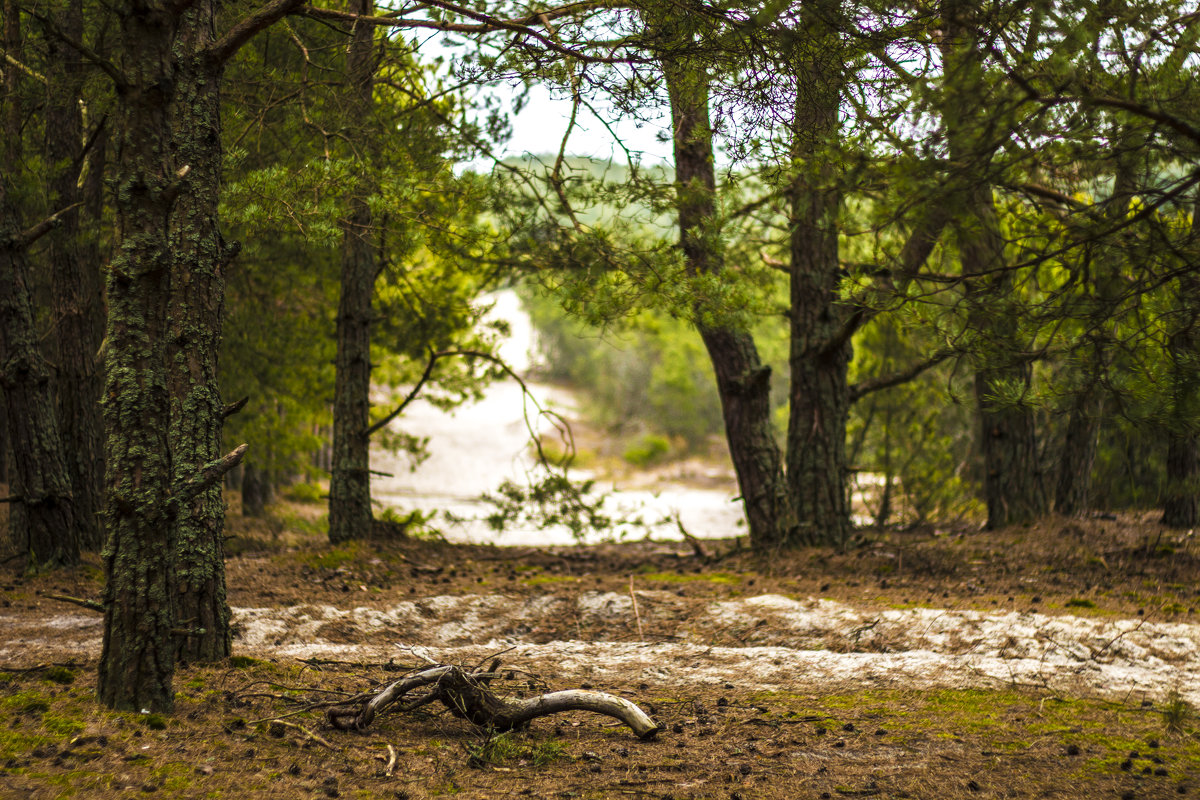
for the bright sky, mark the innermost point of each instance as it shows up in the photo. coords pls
(539, 129)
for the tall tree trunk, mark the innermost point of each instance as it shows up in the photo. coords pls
(820, 349)
(1073, 488)
(743, 381)
(1181, 508)
(1181, 505)
(256, 491)
(137, 661)
(1012, 474)
(44, 517)
(200, 256)
(76, 289)
(350, 484)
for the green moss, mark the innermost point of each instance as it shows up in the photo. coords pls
(244, 662)
(155, 722)
(62, 726)
(723, 578)
(539, 580)
(60, 675)
(1080, 602)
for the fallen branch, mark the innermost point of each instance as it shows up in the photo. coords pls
(697, 548)
(91, 605)
(467, 695)
(309, 734)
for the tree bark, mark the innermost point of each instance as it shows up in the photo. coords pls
(820, 348)
(743, 381)
(350, 483)
(138, 656)
(1181, 505)
(44, 520)
(77, 301)
(1073, 488)
(200, 256)
(256, 491)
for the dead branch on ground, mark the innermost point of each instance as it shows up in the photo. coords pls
(467, 695)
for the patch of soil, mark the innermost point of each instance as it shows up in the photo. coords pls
(769, 674)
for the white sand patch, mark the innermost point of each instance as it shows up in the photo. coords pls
(791, 644)
(807, 645)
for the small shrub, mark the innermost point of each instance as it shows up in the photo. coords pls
(1176, 712)
(648, 450)
(304, 493)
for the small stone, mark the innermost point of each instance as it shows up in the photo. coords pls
(722, 702)
(677, 728)
(204, 769)
(1072, 749)
(849, 726)
(744, 769)
(840, 743)
(1126, 765)
(973, 786)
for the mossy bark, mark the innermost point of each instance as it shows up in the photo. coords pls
(820, 348)
(199, 257)
(743, 381)
(138, 655)
(350, 483)
(76, 289)
(44, 517)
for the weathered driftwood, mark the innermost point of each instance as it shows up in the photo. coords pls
(467, 695)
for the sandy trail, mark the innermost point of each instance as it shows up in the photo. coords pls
(768, 642)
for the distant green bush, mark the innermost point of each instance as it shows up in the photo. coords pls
(649, 449)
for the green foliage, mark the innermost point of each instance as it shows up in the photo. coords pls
(650, 371)
(290, 174)
(649, 449)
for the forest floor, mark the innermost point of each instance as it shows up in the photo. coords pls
(1058, 660)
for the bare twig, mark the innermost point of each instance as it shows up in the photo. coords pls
(636, 614)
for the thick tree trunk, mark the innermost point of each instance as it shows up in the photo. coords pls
(77, 301)
(200, 255)
(44, 519)
(820, 349)
(743, 381)
(350, 483)
(137, 661)
(1181, 509)
(1181, 505)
